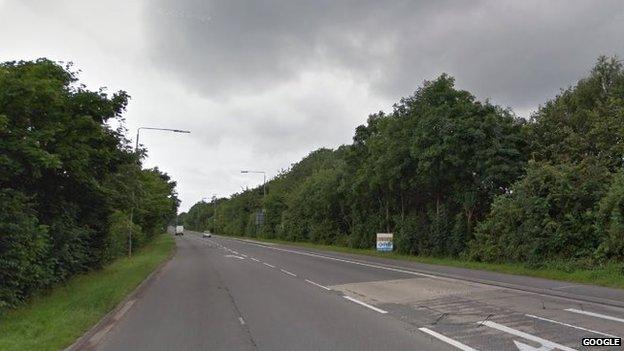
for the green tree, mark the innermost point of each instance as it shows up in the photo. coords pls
(610, 221)
(547, 215)
(65, 177)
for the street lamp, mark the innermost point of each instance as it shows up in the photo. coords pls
(136, 149)
(136, 145)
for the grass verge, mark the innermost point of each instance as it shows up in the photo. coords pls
(609, 275)
(55, 319)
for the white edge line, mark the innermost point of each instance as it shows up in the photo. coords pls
(597, 315)
(287, 272)
(95, 339)
(390, 268)
(266, 264)
(349, 261)
(365, 304)
(254, 259)
(242, 321)
(447, 340)
(124, 309)
(571, 326)
(317, 284)
(240, 258)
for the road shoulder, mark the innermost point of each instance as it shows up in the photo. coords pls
(95, 334)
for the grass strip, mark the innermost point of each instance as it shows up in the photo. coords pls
(54, 319)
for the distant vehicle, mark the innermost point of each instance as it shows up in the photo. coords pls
(179, 230)
(207, 234)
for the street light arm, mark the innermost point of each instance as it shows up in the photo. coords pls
(167, 129)
(136, 149)
(136, 145)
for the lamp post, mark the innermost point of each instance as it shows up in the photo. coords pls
(136, 150)
(136, 145)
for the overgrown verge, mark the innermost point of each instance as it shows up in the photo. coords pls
(55, 319)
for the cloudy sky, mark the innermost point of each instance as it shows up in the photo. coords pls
(262, 83)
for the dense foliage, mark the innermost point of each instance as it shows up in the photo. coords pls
(453, 176)
(68, 180)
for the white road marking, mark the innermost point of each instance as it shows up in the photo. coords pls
(387, 268)
(597, 315)
(266, 264)
(287, 272)
(95, 339)
(242, 321)
(349, 261)
(572, 326)
(243, 255)
(447, 340)
(319, 285)
(365, 304)
(546, 344)
(524, 347)
(254, 259)
(240, 258)
(124, 309)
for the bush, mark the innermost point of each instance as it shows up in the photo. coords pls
(610, 221)
(547, 215)
(24, 248)
(66, 178)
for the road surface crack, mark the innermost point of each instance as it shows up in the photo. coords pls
(245, 326)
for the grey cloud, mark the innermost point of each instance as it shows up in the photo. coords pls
(518, 53)
(262, 83)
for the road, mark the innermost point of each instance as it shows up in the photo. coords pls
(225, 294)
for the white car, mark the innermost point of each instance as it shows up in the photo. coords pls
(207, 234)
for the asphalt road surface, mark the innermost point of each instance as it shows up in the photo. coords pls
(226, 294)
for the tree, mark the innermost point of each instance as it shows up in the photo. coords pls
(564, 207)
(64, 178)
(548, 215)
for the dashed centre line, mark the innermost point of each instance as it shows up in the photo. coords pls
(365, 304)
(364, 264)
(287, 272)
(546, 344)
(317, 284)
